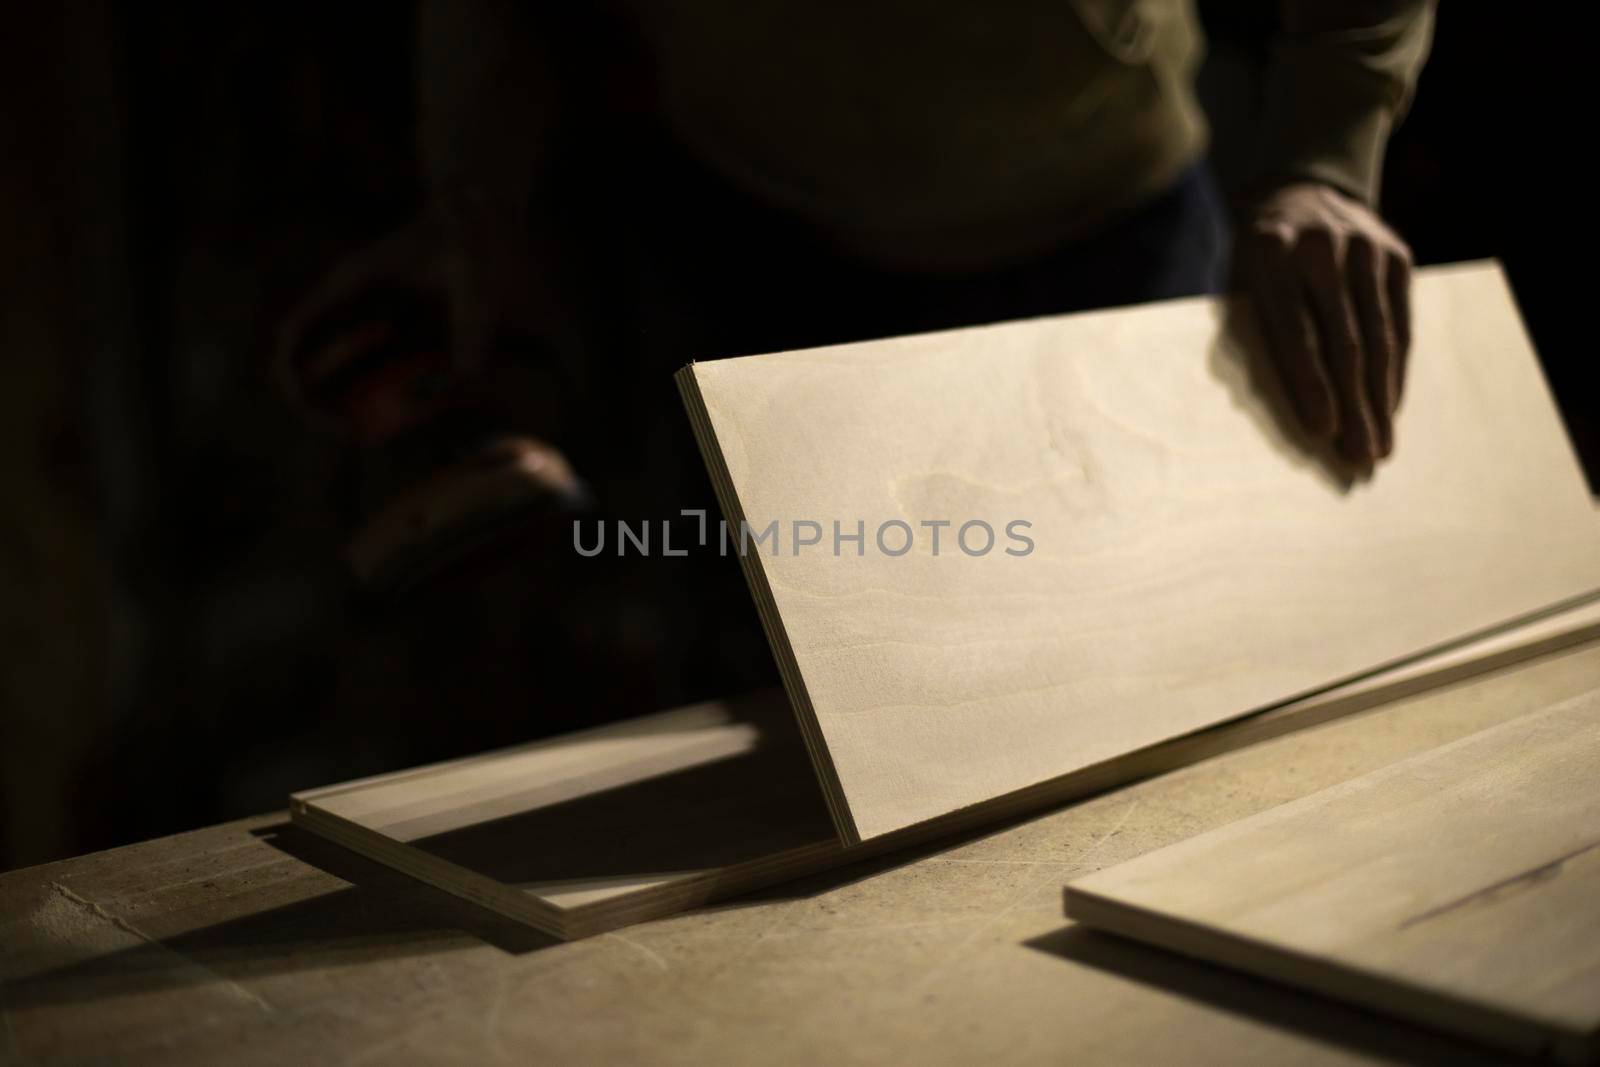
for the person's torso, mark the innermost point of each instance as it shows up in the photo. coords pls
(934, 133)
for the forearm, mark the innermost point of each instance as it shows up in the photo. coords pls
(1340, 77)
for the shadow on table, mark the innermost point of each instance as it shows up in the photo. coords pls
(381, 915)
(1280, 1007)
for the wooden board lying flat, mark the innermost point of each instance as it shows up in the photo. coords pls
(596, 830)
(602, 828)
(1191, 563)
(1460, 887)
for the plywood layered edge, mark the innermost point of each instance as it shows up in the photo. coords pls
(767, 609)
(566, 923)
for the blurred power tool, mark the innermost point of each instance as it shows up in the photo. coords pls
(449, 484)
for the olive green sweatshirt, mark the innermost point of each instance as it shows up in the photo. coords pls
(920, 133)
(930, 133)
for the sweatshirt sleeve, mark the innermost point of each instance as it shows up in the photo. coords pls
(1339, 79)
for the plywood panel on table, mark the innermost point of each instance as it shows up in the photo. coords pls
(1460, 887)
(601, 828)
(1191, 562)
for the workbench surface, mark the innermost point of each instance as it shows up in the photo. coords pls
(257, 942)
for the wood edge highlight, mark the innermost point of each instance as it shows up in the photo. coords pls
(766, 608)
(440, 874)
(619, 729)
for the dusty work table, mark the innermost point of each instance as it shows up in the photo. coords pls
(256, 942)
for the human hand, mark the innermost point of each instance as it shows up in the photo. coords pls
(1331, 286)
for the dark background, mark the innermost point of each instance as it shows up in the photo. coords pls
(179, 642)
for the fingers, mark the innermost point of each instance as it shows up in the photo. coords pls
(1311, 247)
(1321, 260)
(1366, 268)
(1397, 285)
(1291, 335)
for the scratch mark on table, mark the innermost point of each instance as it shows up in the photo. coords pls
(233, 873)
(1042, 861)
(644, 950)
(1027, 893)
(1109, 834)
(96, 911)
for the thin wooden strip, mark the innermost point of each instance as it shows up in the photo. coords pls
(522, 782)
(692, 717)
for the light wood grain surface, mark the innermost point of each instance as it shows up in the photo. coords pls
(1460, 887)
(258, 943)
(1192, 563)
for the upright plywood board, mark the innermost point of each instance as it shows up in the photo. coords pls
(1191, 562)
(1460, 888)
